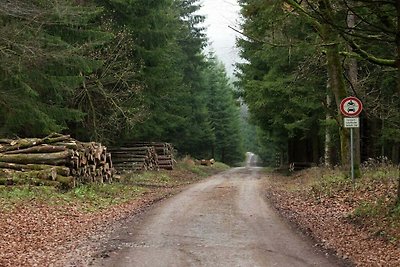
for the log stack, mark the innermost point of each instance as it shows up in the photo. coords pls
(134, 158)
(54, 160)
(142, 156)
(165, 153)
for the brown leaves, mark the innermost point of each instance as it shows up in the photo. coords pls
(37, 233)
(326, 217)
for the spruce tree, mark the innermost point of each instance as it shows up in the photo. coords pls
(224, 114)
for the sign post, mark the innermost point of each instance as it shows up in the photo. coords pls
(351, 107)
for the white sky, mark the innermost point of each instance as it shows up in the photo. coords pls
(219, 15)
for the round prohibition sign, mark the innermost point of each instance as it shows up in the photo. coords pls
(351, 106)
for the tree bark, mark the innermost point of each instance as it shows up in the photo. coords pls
(328, 137)
(336, 79)
(61, 170)
(25, 143)
(38, 149)
(397, 145)
(353, 78)
(47, 158)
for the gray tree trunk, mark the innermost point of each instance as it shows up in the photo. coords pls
(353, 77)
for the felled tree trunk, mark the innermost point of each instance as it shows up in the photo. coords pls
(61, 170)
(57, 158)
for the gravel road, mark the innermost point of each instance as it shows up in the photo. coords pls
(222, 221)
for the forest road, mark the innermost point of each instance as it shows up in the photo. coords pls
(222, 221)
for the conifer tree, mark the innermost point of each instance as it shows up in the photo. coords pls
(279, 79)
(39, 69)
(224, 113)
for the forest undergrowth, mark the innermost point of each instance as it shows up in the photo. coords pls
(359, 222)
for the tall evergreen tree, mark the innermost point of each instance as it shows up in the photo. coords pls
(282, 97)
(224, 113)
(39, 69)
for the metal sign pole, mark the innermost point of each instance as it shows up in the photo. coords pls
(352, 155)
(351, 107)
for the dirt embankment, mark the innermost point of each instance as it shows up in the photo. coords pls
(334, 214)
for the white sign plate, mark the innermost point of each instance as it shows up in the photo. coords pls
(351, 122)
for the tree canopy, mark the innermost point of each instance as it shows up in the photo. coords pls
(114, 71)
(304, 57)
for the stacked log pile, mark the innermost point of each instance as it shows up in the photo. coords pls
(54, 160)
(141, 156)
(134, 158)
(165, 153)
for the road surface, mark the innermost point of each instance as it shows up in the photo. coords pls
(223, 221)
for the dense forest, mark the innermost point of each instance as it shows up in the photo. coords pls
(116, 71)
(136, 70)
(302, 59)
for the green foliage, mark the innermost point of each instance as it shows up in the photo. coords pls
(112, 71)
(329, 184)
(31, 102)
(227, 145)
(368, 209)
(282, 80)
(57, 72)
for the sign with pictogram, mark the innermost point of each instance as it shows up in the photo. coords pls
(351, 106)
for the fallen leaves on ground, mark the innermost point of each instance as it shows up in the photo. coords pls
(37, 233)
(327, 218)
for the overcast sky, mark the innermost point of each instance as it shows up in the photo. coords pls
(219, 15)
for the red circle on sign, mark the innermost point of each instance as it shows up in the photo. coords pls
(351, 106)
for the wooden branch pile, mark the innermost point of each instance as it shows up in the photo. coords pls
(142, 156)
(57, 160)
(134, 158)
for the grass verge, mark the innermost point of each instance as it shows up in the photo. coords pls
(96, 197)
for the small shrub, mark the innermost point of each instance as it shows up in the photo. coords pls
(329, 184)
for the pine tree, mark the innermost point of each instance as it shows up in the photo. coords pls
(39, 69)
(283, 98)
(224, 114)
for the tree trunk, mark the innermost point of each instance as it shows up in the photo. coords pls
(336, 79)
(328, 137)
(353, 77)
(38, 149)
(48, 158)
(61, 170)
(337, 85)
(397, 145)
(25, 143)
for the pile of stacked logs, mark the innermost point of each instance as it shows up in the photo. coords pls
(57, 160)
(134, 158)
(142, 156)
(165, 154)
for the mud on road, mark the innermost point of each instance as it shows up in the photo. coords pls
(222, 221)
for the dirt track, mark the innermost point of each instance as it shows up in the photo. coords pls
(223, 221)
